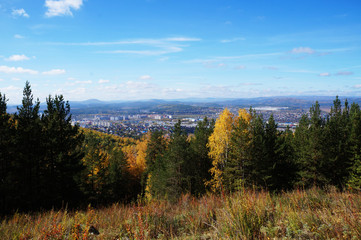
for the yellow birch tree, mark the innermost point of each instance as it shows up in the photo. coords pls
(219, 147)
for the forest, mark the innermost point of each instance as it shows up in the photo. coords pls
(46, 163)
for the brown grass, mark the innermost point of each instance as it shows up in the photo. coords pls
(310, 214)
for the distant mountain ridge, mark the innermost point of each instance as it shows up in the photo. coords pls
(93, 106)
(278, 101)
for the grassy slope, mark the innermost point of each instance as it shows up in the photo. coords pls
(311, 214)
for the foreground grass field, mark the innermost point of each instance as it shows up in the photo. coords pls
(310, 214)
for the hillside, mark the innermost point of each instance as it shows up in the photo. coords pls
(311, 214)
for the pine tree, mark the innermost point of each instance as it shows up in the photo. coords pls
(271, 157)
(284, 172)
(354, 179)
(6, 155)
(179, 160)
(310, 149)
(236, 172)
(156, 172)
(258, 168)
(198, 169)
(62, 156)
(338, 152)
(27, 164)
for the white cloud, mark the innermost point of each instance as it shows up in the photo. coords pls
(6, 69)
(183, 39)
(18, 36)
(345, 73)
(163, 59)
(145, 77)
(233, 40)
(240, 67)
(166, 50)
(159, 46)
(77, 91)
(1, 79)
(9, 89)
(20, 13)
(271, 68)
(144, 41)
(325, 74)
(54, 72)
(230, 58)
(357, 86)
(15, 58)
(15, 79)
(299, 50)
(84, 82)
(101, 81)
(213, 64)
(62, 7)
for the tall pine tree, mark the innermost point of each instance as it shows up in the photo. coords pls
(28, 161)
(61, 149)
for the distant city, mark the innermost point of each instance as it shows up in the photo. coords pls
(134, 119)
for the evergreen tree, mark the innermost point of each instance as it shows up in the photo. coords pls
(172, 176)
(62, 157)
(153, 177)
(271, 157)
(302, 154)
(338, 152)
(258, 168)
(237, 171)
(198, 169)
(6, 155)
(284, 172)
(179, 162)
(118, 184)
(27, 164)
(309, 145)
(354, 179)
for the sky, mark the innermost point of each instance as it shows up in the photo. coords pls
(177, 49)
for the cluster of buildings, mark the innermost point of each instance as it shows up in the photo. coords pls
(132, 125)
(138, 124)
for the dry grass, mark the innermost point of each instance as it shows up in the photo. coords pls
(311, 214)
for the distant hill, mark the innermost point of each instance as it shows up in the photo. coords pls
(194, 105)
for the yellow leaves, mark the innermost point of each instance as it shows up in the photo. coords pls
(219, 144)
(135, 155)
(148, 187)
(242, 113)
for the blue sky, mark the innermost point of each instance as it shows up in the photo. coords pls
(171, 49)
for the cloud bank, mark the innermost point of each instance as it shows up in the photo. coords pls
(62, 7)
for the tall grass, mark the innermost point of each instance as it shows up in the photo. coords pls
(310, 214)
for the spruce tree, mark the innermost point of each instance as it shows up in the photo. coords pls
(153, 177)
(62, 156)
(337, 130)
(6, 155)
(271, 158)
(27, 164)
(258, 169)
(198, 169)
(284, 172)
(354, 178)
(237, 171)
